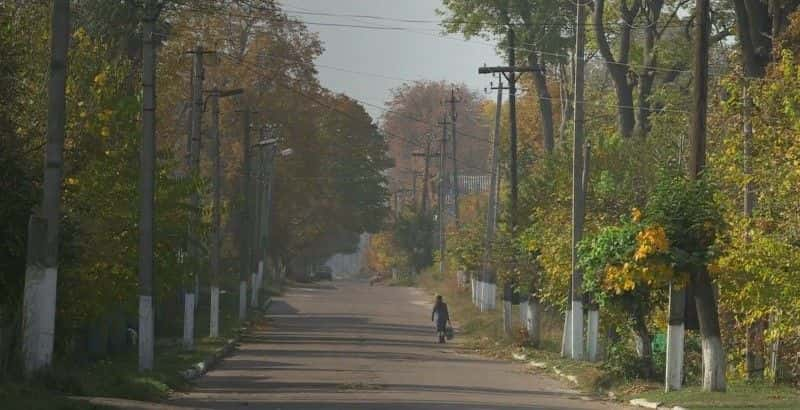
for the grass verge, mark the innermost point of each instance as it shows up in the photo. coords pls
(739, 396)
(118, 376)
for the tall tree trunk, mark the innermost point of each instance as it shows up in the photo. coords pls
(618, 67)
(545, 103)
(644, 345)
(41, 273)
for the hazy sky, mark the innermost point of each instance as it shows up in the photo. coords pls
(388, 57)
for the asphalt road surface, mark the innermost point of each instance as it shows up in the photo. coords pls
(353, 346)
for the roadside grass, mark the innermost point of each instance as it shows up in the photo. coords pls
(482, 333)
(740, 395)
(118, 376)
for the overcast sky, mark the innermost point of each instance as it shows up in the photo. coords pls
(388, 57)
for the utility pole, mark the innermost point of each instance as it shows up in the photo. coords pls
(41, 271)
(593, 312)
(426, 173)
(453, 116)
(414, 175)
(258, 191)
(485, 299)
(260, 228)
(246, 213)
(510, 73)
(194, 168)
(216, 228)
(576, 311)
(147, 179)
(442, 195)
(215, 215)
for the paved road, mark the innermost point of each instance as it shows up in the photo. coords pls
(352, 346)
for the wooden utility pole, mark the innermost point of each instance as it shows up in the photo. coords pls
(578, 205)
(704, 294)
(246, 214)
(486, 302)
(453, 116)
(147, 179)
(41, 272)
(442, 196)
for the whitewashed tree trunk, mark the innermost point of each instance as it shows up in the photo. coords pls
(188, 321)
(673, 378)
(713, 363)
(592, 329)
(242, 300)
(214, 331)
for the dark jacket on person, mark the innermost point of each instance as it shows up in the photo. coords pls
(441, 315)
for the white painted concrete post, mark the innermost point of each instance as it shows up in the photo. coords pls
(675, 338)
(196, 291)
(674, 368)
(260, 277)
(523, 313)
(532, 318)
(38, 323)
(254, 289)
(214, 331)
(566, 336)
(146, 335)
(188, 321)
(576, 332)
(472, 287)
(243, 300)
(592, 328)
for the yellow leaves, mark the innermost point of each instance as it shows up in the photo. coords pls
(70, 181)
(105, 132)
(650, 241)
(100, 79)
(636, 215)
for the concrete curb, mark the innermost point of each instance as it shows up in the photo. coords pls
(644, 403)
(201, 368)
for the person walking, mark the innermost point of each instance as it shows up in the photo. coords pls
(441, 317)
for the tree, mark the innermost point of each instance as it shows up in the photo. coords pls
(539, 27)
